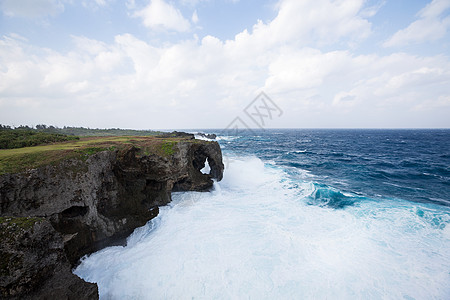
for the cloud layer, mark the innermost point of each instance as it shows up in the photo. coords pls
(31, 8)
(159, 15)
(206, 82)
(431, 25)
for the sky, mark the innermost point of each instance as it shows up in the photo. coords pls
(164, 64)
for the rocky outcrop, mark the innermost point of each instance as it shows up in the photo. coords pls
(33, 263)
(210, 136)
(177, 134)
(99, 201)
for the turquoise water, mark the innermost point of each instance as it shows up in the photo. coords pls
(300, 214)
(407, 164)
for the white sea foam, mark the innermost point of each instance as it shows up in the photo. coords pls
(300, 151)
(254, 237)
(206, 169)
(199, 137)
(446, 232)
(226, 138)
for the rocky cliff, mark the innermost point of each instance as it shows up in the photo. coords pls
(85, 204)
(33, 264)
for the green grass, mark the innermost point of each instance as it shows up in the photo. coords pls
(18, 138)
(19, 222)
(80, 131)
(74, 131)
(22, 159)
(11, 228)
(167, 147)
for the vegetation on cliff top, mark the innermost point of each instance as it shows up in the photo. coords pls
(23, 148)
(82, 131)
(26, 137)
(14, 223)
(22, 159)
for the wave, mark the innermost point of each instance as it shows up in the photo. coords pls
(323, 195)
(226, 138)
(266, 232)
(199, 137)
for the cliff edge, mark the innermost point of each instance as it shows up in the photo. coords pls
(86, 195)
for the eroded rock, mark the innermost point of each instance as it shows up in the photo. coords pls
(34, 265)
(95, 203)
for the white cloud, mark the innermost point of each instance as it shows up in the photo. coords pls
(96, 4)
(31, 8)
(194, 17)
(304, 24)
(130, 4)
(162, 15)
(207, 82)
(430, 26)
(364, 87)
(192, 2)
(371, 11)
(434, 9)
(312, 22)
(100, 2)
(443, 102)
(296, 69)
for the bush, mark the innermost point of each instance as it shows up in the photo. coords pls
(27, 137)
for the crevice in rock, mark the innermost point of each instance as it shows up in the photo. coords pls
(74, 211)
(199, 159)
(180, 185)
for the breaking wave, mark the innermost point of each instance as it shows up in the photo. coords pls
(268, 232)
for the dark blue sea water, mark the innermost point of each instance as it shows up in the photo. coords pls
(300, 214)
(412, 165)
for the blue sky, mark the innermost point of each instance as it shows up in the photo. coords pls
(199, 63)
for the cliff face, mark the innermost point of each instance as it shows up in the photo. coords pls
(99, 201)
(34, 265)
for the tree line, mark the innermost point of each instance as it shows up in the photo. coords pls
(26, 136)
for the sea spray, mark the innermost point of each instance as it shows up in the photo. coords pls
(258, 235)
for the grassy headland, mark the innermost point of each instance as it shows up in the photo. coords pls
(25, 136)
(22, 159)
(18, 138)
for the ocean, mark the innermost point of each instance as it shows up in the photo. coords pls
(300, 214)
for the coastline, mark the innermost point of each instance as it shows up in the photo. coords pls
(87, 203)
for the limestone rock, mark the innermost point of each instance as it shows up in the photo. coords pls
(210, 136)
(94, 203)
(34, 265)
